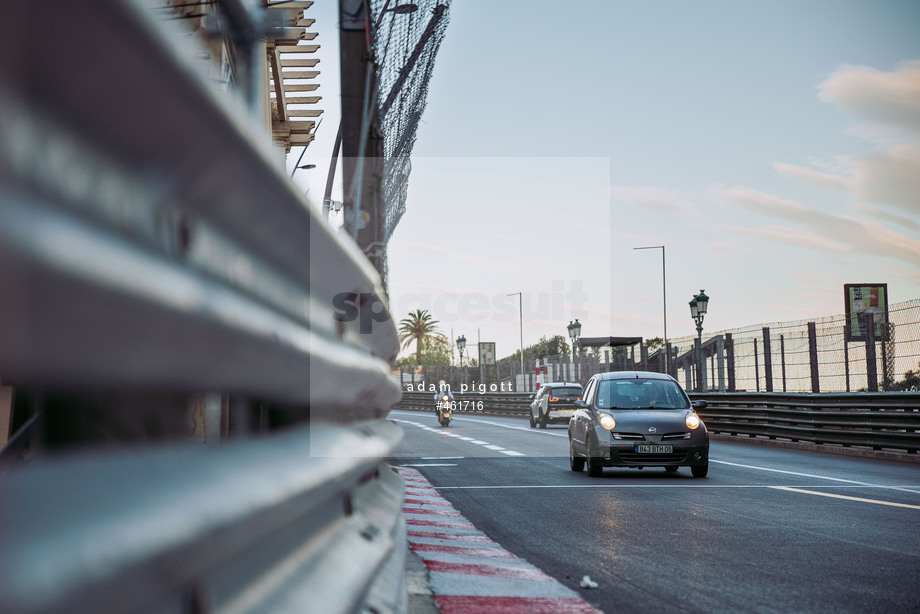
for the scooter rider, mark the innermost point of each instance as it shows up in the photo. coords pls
(443, 389)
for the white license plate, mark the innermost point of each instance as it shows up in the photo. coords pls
(648, 449)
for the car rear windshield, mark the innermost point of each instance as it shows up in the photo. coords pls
(566, 393)
(641, 394)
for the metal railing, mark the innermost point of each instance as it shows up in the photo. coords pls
(290, 523)
(152, 247)
(889, 420)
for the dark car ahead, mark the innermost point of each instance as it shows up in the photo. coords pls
(554, 403)
(637, 419)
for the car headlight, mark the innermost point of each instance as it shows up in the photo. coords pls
(607, 421)
(693, 421)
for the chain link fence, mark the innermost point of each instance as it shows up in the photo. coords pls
(798, 356)
(405, 46)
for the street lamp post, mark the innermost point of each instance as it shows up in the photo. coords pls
(461, 345)
(574, 329)
(698, 307)
(664, 296)
(399, 9)
(521, 313)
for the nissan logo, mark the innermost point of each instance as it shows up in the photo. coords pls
(652, 429)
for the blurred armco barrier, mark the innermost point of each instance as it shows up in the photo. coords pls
(152, 248)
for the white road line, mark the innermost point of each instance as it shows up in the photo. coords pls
(694, 485)
(430, 465)
(478, 442)
(519, 428)
(553, 433)
(859, 499)
(811, 475)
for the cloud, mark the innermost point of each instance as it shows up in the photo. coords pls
(790, 235)
(876, 213)
(808, 174)
(822, 231)
(648, 197)
(885, 97)
(891, 177)
(729, 250)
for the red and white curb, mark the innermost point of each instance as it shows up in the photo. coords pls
(469, 573)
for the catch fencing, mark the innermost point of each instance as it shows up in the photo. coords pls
(797, 356)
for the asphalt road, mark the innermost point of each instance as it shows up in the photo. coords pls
(770, 530)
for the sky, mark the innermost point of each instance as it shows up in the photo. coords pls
(773, 148)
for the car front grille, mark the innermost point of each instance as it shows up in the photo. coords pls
(674, 458)
(641, 437)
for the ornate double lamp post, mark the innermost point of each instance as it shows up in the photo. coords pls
(461, 345)
(698, 307)
(574, 329)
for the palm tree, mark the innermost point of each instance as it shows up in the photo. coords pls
(417, 327)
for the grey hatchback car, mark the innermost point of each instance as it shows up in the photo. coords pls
(637, 419)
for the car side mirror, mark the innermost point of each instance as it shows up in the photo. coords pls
(581, 404)
(700, 405)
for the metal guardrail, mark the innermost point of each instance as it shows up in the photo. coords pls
(889, 420)
(152, 244)
(511, 403)
(291, 523)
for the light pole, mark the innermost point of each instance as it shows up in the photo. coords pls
(698, 307)
(461, 345)
(574, 329)
(399, 9)
(521, 312)
(664, 302)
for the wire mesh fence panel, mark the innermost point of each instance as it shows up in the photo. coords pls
(797, 356)
(405, 43)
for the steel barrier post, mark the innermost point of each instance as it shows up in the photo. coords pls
(813, 357)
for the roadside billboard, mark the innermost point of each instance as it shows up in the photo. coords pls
(487, 352)
(864, 301)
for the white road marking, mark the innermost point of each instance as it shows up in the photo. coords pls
(860, 499)
(430, 465)
(519, 428)
(811, 475)
(478, 442)
(694, 485)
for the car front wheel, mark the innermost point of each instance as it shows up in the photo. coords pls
(700, 471)
(576, 463)
(595, 468)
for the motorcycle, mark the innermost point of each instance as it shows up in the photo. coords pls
(444, 410)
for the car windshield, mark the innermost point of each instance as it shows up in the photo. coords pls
(567, 393)
(640, 394)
